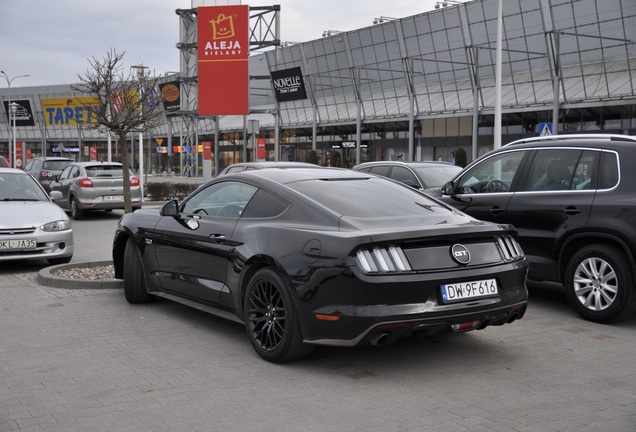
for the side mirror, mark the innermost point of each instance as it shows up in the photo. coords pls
(171, 208)
(56, 195)
(449, 188)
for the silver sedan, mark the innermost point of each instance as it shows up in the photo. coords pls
(31, 225)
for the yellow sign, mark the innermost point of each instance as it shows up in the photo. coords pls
(70, 111)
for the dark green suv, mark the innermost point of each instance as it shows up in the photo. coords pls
(572, 199)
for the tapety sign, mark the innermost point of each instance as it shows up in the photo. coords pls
(23, 113)
(71, 111)
(223, 68)
(289, 85)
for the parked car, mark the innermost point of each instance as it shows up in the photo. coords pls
(88, 186)
(4, 162)
(428, 176)
(322, 256)
(45, 169)
(572, 199)
(246, 166)
(31, 226)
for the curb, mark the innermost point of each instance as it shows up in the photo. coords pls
(46, 277)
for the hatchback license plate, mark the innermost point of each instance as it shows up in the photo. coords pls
(469, 290)
(18, 244)
(113, 198)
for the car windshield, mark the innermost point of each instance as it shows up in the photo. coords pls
(367, 197)
(104, 171)
(20, 187)
(437, 175)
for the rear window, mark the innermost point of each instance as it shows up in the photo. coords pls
(55, 165)
(372, 197)
(104, 171)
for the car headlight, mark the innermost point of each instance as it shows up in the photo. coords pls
(60, 225)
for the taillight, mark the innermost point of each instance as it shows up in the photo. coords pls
(134, 181)
(85, 183)
(46, 174)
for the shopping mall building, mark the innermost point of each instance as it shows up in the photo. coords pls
(414, 88)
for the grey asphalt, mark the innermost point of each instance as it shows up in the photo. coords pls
(86, 360)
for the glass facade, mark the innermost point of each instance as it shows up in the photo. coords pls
(409, 88)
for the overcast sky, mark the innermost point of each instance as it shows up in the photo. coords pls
(52, 40)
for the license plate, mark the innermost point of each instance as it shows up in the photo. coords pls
(114, 198)
(18, 244)
(469, 290)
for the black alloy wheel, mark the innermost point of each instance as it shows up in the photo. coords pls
(271, 320)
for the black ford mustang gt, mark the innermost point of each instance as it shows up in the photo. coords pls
(314, 256)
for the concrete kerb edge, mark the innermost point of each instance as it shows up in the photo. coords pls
(47, 277)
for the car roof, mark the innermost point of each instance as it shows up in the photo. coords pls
(577, 139)
(403, 163)
(96, 163)
(53, 158)
(13, 170)
(301, 173)
(272, 164)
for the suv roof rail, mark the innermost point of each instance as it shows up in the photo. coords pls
(553, 138)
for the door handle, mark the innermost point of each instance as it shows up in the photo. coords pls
(219, 238)
(495, 211)
(571, 211)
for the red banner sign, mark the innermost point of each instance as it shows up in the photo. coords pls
(223, 51)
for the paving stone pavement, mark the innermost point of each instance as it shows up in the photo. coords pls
(88, 361)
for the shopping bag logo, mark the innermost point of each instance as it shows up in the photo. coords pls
(222, 27)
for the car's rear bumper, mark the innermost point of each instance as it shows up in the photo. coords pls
(380, 330)
(355, 309)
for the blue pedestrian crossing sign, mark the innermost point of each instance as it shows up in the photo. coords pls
(545, 129)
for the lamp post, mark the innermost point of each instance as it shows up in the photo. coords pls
(140, 75)
(13, 110)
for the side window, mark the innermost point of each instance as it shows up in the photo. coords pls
(65, 174)
(609, 171)
(75, 172)
(382, 170)
(494, 174)
(264, 205)
(225, 199)
(405, 176)
(553, 170)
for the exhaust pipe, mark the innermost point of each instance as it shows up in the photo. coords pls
(380, 339)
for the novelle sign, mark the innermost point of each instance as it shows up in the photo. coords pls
(289, 85)
(223, 51)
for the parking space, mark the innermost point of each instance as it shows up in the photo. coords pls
(78, 361)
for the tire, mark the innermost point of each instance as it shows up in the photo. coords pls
(76, 212)
(134, 277)
(271, 320)
(600, 285)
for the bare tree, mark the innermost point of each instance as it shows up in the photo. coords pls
(120, 102)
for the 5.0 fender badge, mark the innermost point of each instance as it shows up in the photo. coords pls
(460, 254)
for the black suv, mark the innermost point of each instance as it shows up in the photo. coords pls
(572, 199)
